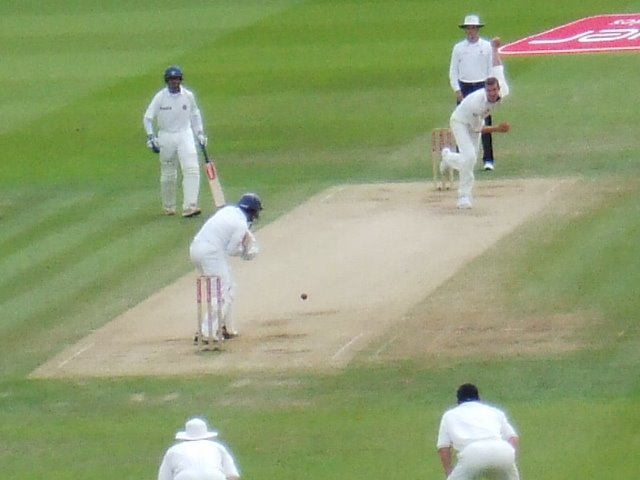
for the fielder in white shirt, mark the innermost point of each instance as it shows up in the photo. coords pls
(471, 64)
(197, 456)
(178, 119)
(467, 124)
(227, 233)
(482, 437)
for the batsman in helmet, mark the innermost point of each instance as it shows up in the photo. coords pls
(227, 233)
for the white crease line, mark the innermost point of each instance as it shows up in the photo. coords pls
(78, 353)
(331, 194)
(346, 346)
(386, 345)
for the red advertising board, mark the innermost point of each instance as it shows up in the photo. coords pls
(602, 33)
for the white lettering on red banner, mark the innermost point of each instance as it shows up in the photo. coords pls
(603, 33)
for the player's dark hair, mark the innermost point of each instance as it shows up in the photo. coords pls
(467, 392)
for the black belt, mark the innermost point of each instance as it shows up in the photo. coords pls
(472, 84)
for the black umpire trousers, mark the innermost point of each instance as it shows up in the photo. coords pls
(487, 142)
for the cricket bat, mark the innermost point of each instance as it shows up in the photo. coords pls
(214, 180)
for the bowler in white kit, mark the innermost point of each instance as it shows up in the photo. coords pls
(467, 125)
(482, 437)
(176, 115)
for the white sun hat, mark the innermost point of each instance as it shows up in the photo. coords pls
(471, 21)
(196, 429)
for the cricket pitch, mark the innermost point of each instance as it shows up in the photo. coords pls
(364, 254)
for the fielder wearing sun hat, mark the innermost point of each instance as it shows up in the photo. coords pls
(198, 455)
(196, 429)
(471, 21)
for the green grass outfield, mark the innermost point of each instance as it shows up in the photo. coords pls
(297, 96)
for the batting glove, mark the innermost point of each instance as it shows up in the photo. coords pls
(251, 253)
(152, 144)
(202, 139)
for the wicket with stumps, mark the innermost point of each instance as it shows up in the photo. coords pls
(204, 290)
(441, 138)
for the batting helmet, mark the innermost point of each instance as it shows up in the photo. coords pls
(251, 205)
(172, 72)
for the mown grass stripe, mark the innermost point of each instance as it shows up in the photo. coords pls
(38, 216)
(81, 240)
(88, 292)
(64, 245)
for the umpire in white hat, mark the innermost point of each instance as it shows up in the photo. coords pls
(197, 456)
(471, 64)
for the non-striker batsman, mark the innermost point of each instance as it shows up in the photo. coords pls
(179, 123)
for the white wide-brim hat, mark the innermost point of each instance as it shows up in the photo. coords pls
(471, 21)
(196, 429)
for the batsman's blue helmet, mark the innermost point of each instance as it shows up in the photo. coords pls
(172, 72)
(251, 205)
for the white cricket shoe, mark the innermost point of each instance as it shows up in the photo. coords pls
(488, 166)
(191, 212)
(444, 163)
(465, 202)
